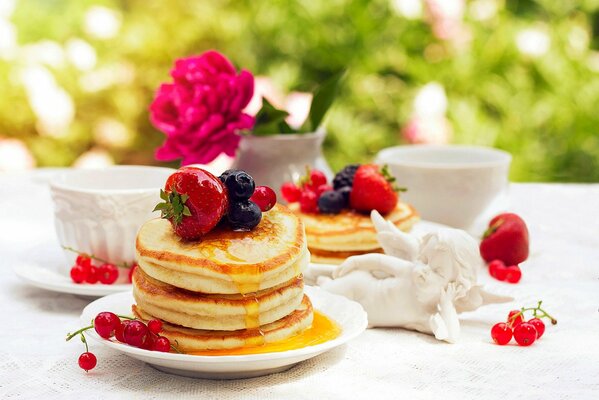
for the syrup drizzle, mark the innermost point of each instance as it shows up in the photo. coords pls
(322, 330)
(248, 288)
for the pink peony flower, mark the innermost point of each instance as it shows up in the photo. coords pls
(201, 111)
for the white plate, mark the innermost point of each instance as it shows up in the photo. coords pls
(43, 266)
(349, 315)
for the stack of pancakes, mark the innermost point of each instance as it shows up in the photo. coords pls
(228, 290)
(334, 237)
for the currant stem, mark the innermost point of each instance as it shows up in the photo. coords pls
(126, 317)
(96, 258)
(535, 311)
(84, 341)
(80, 331)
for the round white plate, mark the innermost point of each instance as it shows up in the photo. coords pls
(43, 266)
(349, 315)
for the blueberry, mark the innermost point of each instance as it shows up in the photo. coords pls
(331, 202)
(244, 215)
(345, 192)
(345, 177)
(239, 184)
(224, 175)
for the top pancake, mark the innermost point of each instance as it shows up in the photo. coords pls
(277, 244)
(350, 230)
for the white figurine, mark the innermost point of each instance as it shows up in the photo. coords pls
(419, 284)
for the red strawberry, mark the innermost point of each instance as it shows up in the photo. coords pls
(506, 239)
(373, 189)
(194, 202)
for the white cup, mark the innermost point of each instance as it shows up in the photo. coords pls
(99, 211)
(452, 184)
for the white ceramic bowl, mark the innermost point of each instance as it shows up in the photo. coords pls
(99, 211)
(451, 184)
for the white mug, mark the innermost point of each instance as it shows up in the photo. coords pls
(451, 184)
(99, 211)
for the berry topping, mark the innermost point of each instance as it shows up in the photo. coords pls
(345, 177)
(506, 239)
(244, 215)
(323, 188)
(308, 202)
(87, 361)
(345, 192)
(108, 273)
(264, 197)
(373, 189)
(525, 334)
(317, 178)
(291, 192)
(331, 202)
(240, 185)
(501, 333)
(106, 323)
(194, 202)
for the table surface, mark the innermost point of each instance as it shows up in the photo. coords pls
(563, 271)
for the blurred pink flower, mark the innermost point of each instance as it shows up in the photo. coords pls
(201, 111)
(446, 18)
(427, 131)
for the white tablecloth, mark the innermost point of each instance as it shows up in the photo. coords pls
(563, 270)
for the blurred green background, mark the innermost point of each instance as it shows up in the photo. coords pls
(77, 76)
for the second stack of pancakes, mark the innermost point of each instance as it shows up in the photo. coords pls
(229, 290)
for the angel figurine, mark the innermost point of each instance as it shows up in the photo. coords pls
(418, 284)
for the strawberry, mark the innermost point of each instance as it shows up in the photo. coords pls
(374, 189)
(506, 239)
(194, 202)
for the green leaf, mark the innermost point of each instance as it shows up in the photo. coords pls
(186, 211)
(163, 195)
(323, 99)
(268, 119)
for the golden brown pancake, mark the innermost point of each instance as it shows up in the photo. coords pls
(215, 311)
(334, 237)
(189, 340)
(225, 261)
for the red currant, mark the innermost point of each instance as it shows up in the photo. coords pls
(317, 178)
(106, 323)
(155, 326)
(148, 342)
(308, 202)
(84, 260)
(162, 344)
(513, 320)
(525, 334)
(78, 274)
(108, 274)
(291, 192)
(496, 267)
(501, 333)
(92, 275)
(87, 361)
(134, 333)
(119, 331)
(131, 270)
(265, 197)
(513, 274)
(539, 326)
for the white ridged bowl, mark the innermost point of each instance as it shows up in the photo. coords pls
(99, 211)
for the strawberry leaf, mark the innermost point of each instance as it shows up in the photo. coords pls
(173, 207)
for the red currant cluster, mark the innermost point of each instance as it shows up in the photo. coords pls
(501, 272)
(524, 332)
(105, 273)
(126, 330)
(308, 191)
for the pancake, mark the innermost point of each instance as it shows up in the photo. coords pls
(216, 312)
(334, 237)
(190, 340)
(225, 261)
